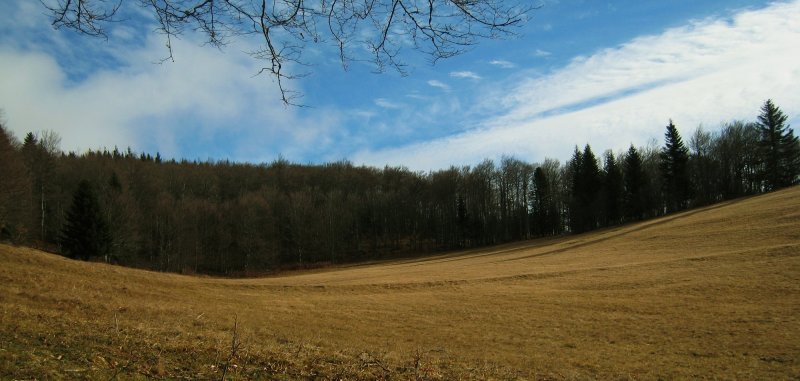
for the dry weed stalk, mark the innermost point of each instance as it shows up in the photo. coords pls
(236, 344)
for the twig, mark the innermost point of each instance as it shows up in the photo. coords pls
(235, 345)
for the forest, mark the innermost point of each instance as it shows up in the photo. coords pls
(239, 219)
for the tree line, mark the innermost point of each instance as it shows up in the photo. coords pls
(231, 218)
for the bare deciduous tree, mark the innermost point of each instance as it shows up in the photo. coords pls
(378, 28)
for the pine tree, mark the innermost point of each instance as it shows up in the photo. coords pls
(674, 169)
(778, 147)
(85, 234)
(613, 190)
(586, 183)
(634, 184)
(574, 168)
(591, 184)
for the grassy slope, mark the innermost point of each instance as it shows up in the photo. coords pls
(711, 293)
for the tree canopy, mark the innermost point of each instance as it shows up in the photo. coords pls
(381, 28)
(225, 218)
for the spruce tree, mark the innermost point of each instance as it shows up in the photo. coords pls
(779, 149)
(592, 183)
(675, 170)
(613, 190)
(85, 234)
(575, 168)
(586, 183)
(634, 183)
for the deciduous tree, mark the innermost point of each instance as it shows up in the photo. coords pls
(703, 168)
(635, 183)
(15, 190)
(40, 153)
(375, 30)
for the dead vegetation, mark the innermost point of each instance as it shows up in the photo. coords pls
(712, 293)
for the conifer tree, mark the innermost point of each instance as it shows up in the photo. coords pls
(778, 147)
(574, 168)
(586, 183)
(85, 234)
(634, 184)
(674, 169)
(613, 189)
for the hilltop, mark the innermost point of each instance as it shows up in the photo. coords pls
(707, 293)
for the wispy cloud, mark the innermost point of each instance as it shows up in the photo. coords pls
(688, 53)
(541, 53)
(465, 74)
(706, 72)
(385, 103)
(503, 64)
(438, 84)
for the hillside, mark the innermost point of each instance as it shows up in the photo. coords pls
(709, 293)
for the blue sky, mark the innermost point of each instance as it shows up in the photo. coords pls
(607, 73)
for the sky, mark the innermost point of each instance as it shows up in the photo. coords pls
(610, 74)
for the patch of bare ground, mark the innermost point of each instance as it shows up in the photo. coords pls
(709, 293)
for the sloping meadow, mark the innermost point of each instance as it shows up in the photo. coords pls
(708, 293)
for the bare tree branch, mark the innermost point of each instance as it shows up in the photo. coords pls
(85, 17)
(384, 28)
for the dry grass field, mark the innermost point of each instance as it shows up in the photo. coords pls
(712, 293)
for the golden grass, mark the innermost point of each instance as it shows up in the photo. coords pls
(710, 293)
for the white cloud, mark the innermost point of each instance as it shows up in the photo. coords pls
(140, 103)
(503, 64)
(707, 72)
(385, 103)
(438, 84)
(465, 74)
(207, 104)
(541, 53)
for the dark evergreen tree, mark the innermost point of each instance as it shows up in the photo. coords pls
(675, 170)
(634, 200)
(574, 169)
(85, 234)
(114, 184)
(612, 190)
(586, 184)
(592, 183)
(542, 205)
(778, 148)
